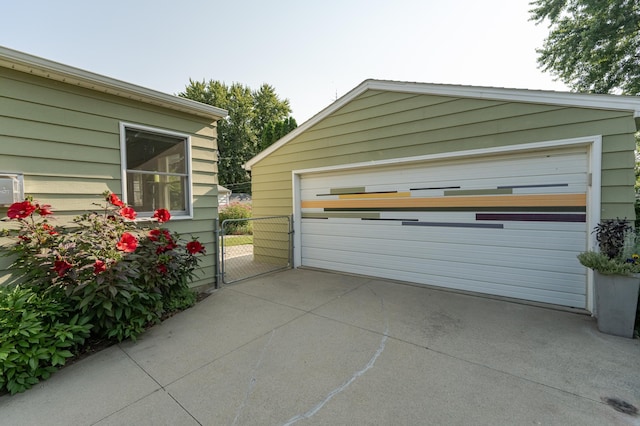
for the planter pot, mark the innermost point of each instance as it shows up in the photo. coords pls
(616, 303)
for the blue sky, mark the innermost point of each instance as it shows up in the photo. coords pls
(310, 52)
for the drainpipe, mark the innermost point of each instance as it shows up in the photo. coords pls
(216, 250)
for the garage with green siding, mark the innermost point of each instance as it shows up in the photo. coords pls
(487, 190)
(67, 135)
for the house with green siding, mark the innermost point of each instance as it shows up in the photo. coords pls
(477, 189)
(67, 135)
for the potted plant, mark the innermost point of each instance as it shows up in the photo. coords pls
(616, 269)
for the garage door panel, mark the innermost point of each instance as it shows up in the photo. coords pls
(526, 224)
(510, 225)
(564, 182)
(565, 298)
(415, 252)
(391, 231)
(517, 167)
(556, 169)
(523, 258)
(440, 273)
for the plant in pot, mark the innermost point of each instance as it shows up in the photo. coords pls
(616, 269)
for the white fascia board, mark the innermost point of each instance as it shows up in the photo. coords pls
(584, 100)
(34, 65)
(580, 100)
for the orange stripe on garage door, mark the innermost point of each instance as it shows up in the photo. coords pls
(530, 200)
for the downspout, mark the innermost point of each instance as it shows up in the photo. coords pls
(216, 251)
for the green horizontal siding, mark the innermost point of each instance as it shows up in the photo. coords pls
(380, 125)
(41, 91)
(316, 154)
(66, 141)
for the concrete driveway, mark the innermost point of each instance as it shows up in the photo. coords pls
(316, 348)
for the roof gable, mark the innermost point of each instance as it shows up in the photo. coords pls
(608, 102)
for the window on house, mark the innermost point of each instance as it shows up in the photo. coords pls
(156, 170)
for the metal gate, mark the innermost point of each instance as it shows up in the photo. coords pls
(254, 246)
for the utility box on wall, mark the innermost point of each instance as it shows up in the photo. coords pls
(11, 188)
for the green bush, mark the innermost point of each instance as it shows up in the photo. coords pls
(236, 212)
(178, 300)
(39, 332)
(105, 277)
(112, 270)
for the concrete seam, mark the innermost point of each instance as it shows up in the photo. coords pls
(159, 384)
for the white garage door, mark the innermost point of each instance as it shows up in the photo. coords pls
(509, 225)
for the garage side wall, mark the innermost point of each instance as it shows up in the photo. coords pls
(380, 125)
(66, 142)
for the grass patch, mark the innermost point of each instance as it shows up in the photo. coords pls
(237, 240)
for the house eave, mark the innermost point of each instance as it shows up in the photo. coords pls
(37, 66)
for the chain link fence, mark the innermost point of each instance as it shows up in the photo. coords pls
(255, 246)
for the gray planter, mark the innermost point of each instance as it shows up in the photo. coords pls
(616, 303)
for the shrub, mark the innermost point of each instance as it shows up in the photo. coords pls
(39, 332)
(117, 274)
(236, 212)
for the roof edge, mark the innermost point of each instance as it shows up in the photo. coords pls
(339, 103)
(41, 67)
(585, 100)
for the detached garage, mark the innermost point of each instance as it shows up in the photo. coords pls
(486, 190)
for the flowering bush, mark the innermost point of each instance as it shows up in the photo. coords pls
(120, 276)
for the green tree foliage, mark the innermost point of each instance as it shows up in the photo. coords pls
(275, 130)
(593, 45)
(240, 134)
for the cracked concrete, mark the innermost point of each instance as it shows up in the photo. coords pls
(318, 348)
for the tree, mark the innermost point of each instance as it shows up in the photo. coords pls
(268, 107)
(275, 130)
(239, 134)
(593, 45)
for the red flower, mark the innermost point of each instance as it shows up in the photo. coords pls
(99, 266)
(61, 267)
(44, 209)
(169, 246)
(128, 243)
(160, 234)
(50, 229)
(162, 215)
(128, 213)
(162, 268)
(20, 210)
(194, 247)
(113, 199)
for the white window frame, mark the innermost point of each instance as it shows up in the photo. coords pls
(123, 167)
